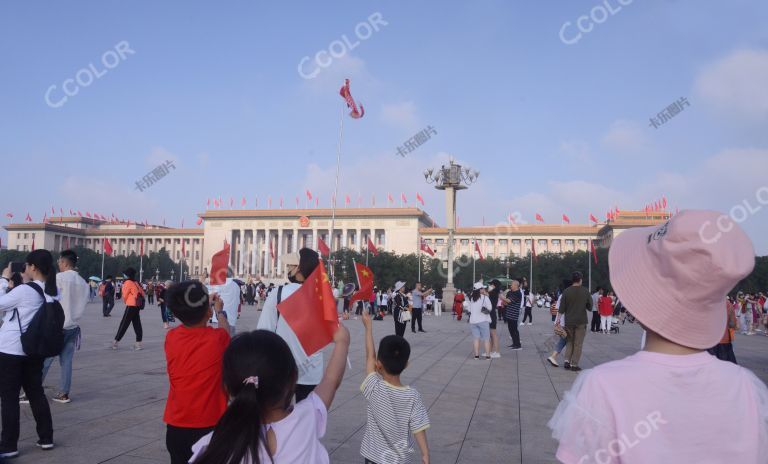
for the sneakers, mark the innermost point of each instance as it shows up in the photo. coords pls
(517, 348)
(530, 323)
(424, 331)
(575, 368)
(23, 399)
(45, 446)
(567, 365)
(137, 347)
(553, 361)
(486, 355)
(495, 355)
(61, 398)
(8, 452)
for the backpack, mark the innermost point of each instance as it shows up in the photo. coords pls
(102, 289)
(140, 300)
(44, 337)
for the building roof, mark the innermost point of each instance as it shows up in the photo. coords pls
(520, 229)
(315, 213)
(96, 232)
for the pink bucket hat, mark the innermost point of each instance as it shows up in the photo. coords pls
(674, 277)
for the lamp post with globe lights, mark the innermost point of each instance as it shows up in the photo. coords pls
(451, 178)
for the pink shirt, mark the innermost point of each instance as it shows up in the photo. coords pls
(659, 408)
(298, 435)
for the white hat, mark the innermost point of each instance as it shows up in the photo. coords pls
(478, 285)
(290, 259)
(398, 285)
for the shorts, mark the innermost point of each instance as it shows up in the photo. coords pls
(493, 320)
(481, 330)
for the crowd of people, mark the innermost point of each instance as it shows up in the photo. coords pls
(258, 396)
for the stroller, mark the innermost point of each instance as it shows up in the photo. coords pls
(615, 326)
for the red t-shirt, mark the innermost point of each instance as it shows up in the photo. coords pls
(196, 398)
(605, 305)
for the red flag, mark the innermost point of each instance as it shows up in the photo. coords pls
(402, 197)
(215, 203)
(533, 249)
(539, 218)
(219, 264)
(664, 202)
(53, 211)
(373, 200)
(242, 202)
(322, 247)
(199, 221)
(107, 247)
(257, 201)
(33, 243)
(372, 247)
(616, 209)
(311, 312)
(281, 202)
(28, 218)
(317, 202)
(389, 198)
(183, 249)
(365, 282)
(511, 219)
(593, 218)
(209, 202)
(594, 252)
(231, 202)
(87, 214)
(346, 200)
(419, 199)
(309, 195)
(426, 249)
(566, 219)
(477, 249)
(345, 93)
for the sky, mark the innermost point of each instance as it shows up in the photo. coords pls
(557, 120)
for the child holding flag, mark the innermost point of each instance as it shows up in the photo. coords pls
(395, 411)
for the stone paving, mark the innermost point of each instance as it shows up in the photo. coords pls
(481, 411)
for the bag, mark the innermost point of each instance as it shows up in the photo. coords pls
(44, 337)
(405, 316)
(483, 309)
(102, 289)
(560, 331)
(140, 300)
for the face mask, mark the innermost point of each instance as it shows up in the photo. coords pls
(292, 279)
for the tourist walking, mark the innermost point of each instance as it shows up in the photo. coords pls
(605, 308)
(595, 325)
(298, 266)
(161, 301)
(671, 402)
(574, 304)
(559, 328)
(19, 370)
(401, 310)
(480, 308)
(150, 293)
(107, 296)
(458, 304)
(73, 296)
(513, 305)
(417, 295)
(132, 293)
(494, 291)
(744, 318)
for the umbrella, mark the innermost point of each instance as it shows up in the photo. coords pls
(94, 278)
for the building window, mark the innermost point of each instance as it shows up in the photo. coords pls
(25, 237)
(528, 242)
(489, 242)
(555, 242)
(197, 255)
(439, 241)
(503, 242)
(569, 242)
(428, 241)
(582, 243)
(464, 241)
(18, 235)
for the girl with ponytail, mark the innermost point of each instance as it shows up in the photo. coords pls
(261, 426)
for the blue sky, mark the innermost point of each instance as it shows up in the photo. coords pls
(553, 128)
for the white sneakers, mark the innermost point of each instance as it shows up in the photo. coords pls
(553, 361)
(495, 355)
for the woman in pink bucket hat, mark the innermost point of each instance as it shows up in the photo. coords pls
(673, 401)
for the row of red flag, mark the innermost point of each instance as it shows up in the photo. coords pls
(219, 203)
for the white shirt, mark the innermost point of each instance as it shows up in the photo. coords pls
(27, 301)
(310, 367)
(230, 296)
(476, 314)
(73, 296)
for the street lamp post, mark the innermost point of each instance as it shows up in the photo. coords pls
(173, 273)
(450, 178)
(157, 274)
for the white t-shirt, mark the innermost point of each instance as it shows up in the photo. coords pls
(73, 296)
(230, 296)
(298, 436)
(27, 301)
(476, 314)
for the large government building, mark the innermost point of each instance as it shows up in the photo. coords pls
(258, 237)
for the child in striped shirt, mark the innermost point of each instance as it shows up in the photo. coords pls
(395, 412)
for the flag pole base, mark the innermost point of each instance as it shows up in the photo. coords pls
(448, 293)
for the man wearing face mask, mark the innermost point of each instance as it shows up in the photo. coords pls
(297, 266)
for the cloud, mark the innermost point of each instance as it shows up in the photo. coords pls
(625, 137)
(105, 196)
(160, 155)
(736, 85)
(401, 115)
(576, 149)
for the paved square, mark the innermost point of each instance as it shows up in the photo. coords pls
(481, 411)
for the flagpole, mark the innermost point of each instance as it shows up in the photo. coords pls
(418, 253)
(102, 257)
(589, 260)
(474, 250)
(141, 268)
(530, 277)
(366, 254)
(336, 192)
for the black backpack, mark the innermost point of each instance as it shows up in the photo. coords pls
(44, 337)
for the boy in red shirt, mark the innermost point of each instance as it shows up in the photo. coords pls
(194, 352)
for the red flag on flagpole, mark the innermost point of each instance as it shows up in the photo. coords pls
(346, 200)
(28, 218)
(390, 199)
(317, 202)
(309, 195)
(419, 199)
(209, 203)
(219, 265)
(477, 249)
(664, 202)
(199, 221)
(345, 93)
(322, 247)
(183, 249)
(593, 218)
(311, 312)
(297, 202)
(533, 249)
(107, 247)
(9, 215)
(281, 202)
(364, 282)
(594, 252)
(372, 247)
(242, 202)
(566, 219)
(426, 249)
(539, 218)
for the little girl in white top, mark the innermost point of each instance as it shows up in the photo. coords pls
(260, 425)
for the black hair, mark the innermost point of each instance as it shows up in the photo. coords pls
(42, 259)
(393, 354)
(599, 288)
(16, 279)
(475, 294)
(108, 277)
(130, 273)
(308, 261)
(70, 256)
(576, 277)
(239, 433)
(188, 301)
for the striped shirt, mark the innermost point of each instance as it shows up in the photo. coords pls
(394, 413)
(512, 309)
